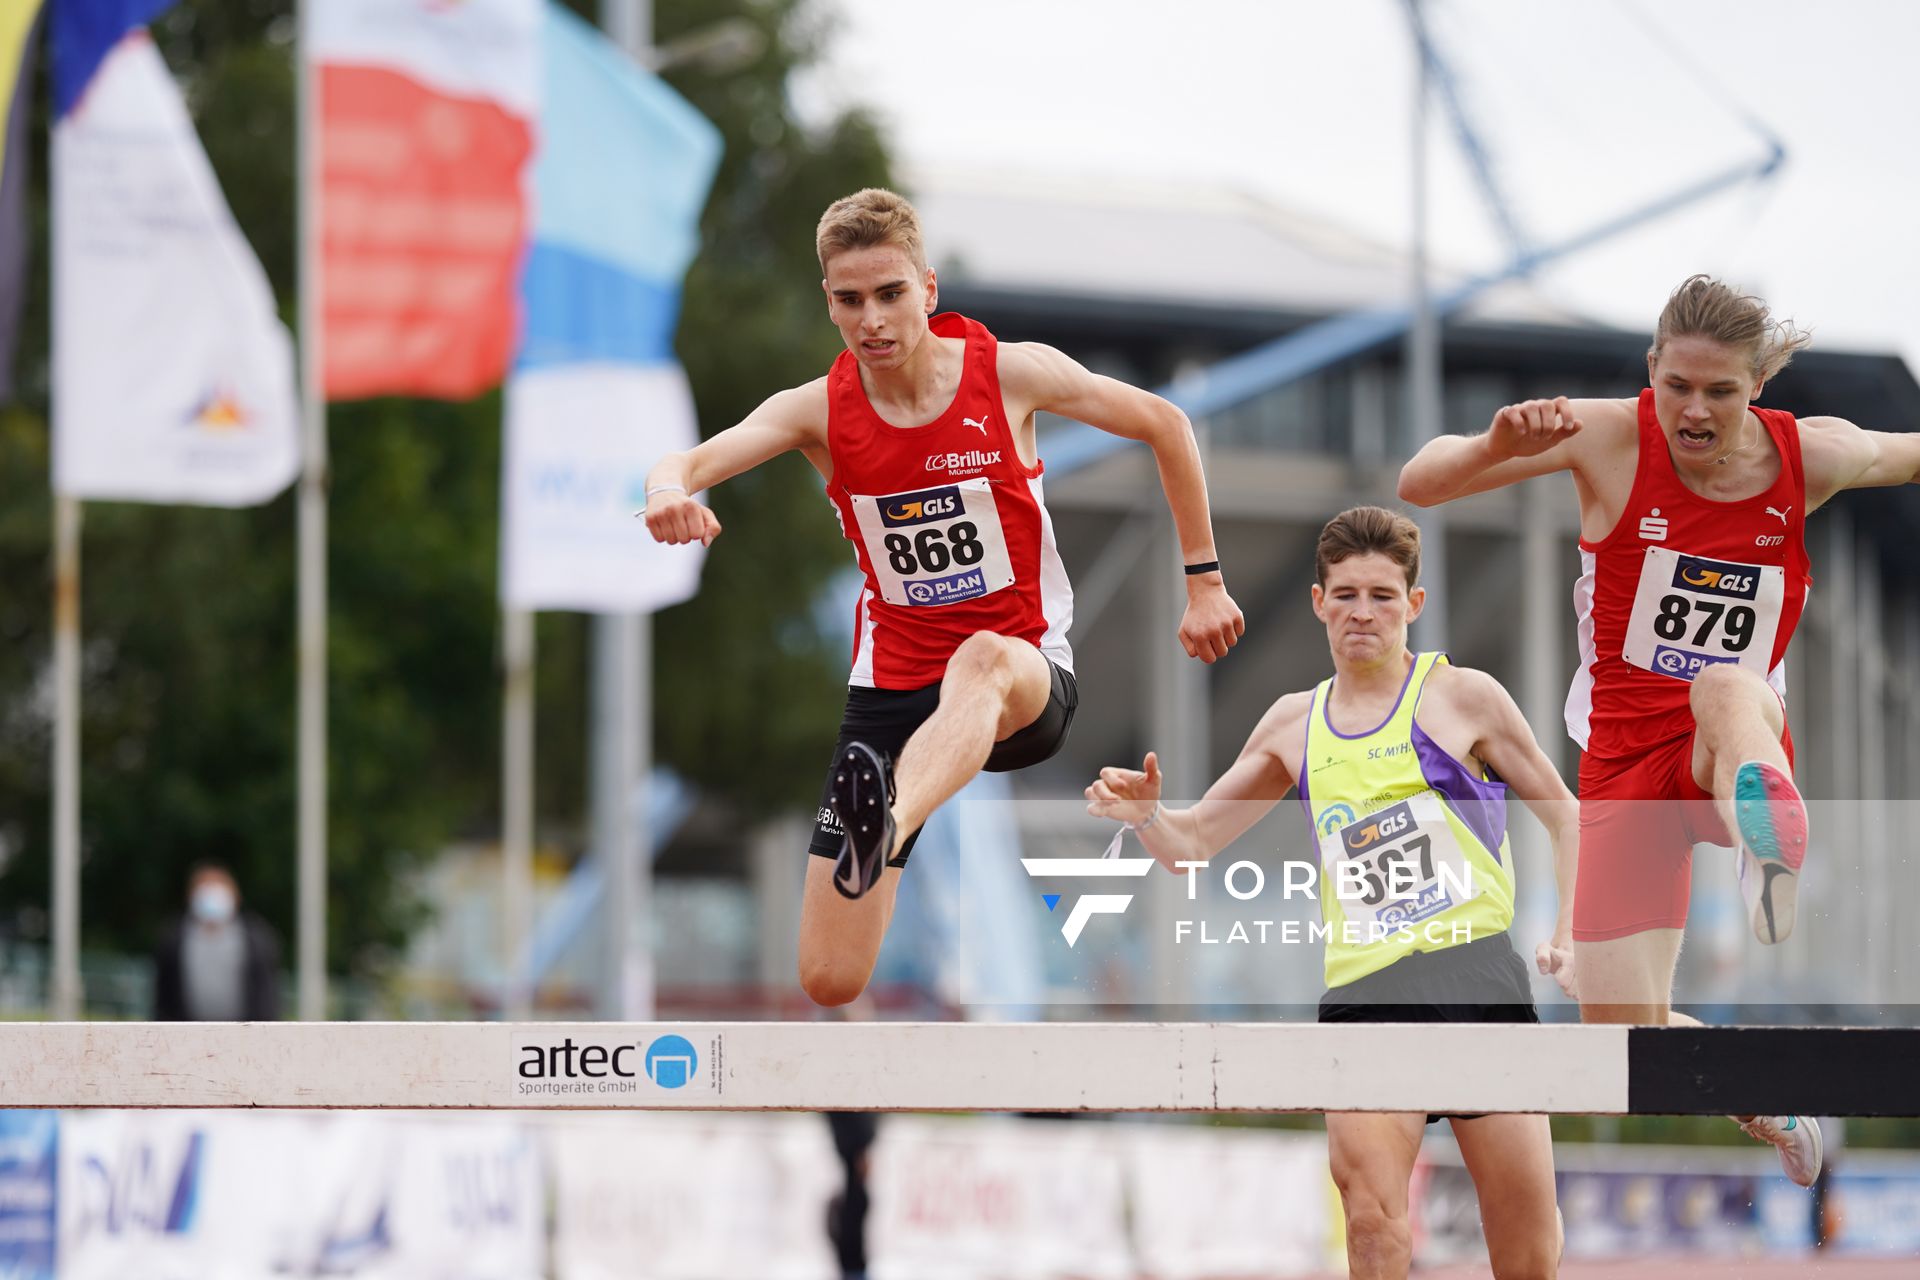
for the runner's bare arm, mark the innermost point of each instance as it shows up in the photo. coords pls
(1244, 794)
(1036, 376)
(1838, 455)
(1533, 438)
(1508, 747)
(791, 419)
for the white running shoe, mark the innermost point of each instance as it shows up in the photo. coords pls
(1773, 844)
(1798, 1140)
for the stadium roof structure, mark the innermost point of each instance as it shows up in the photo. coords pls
(1128, 242)
(1169, 277)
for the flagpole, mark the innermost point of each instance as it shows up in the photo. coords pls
(516, 810)
(63, 995)
(311, 963)
(63, 978)
(623, 720)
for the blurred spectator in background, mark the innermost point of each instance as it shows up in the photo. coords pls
(1828, 1218)
(853, 1135)
(216, 963)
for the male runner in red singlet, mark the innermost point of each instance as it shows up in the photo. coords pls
(924, 432)
(1693, 511)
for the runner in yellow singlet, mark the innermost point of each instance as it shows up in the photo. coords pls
(1403, 763)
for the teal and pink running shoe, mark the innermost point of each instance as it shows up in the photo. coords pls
(1773, 844)
(1798, 1140)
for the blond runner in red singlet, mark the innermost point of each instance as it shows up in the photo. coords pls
(924, 433)
(1693, 507)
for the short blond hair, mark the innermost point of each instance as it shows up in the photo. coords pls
(867, 219)
(1703, 307)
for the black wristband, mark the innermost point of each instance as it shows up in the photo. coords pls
(1210, 566)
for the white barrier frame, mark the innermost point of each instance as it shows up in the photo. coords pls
(881, 1066)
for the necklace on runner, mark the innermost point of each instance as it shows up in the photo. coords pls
(1722, 461)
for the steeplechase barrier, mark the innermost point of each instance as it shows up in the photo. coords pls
(1170, 1066)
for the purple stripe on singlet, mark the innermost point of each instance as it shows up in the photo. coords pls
(1481, 805)
(1306, 745)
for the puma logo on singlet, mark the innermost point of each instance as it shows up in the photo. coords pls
(1781, 513)
(982, 424)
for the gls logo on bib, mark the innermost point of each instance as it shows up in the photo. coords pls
(1716, 577)
(921, 506)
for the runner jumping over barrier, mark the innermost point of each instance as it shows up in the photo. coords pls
(1693, 507)
(924, 432)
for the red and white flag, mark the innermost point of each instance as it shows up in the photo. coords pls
(427, 111)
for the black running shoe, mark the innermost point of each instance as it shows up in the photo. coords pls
(863, 802)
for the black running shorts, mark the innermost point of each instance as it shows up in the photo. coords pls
(1480, 981)
(886, 718)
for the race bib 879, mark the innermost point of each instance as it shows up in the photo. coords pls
(935, 546)
(1691, 612)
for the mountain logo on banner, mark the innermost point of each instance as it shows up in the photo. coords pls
(221, 411)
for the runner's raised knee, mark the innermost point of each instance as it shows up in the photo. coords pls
(832, 982)
(1722, 682)
(984, 655)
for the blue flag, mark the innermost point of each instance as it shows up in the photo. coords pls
(622, 173)
(18, 25)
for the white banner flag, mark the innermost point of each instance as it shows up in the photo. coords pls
(579, 441)
(173, 376)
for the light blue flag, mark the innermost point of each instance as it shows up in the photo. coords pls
(622, 173)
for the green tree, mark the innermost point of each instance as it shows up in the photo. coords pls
(187, 614)
(750, 694)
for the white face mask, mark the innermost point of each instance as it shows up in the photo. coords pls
(213, 904)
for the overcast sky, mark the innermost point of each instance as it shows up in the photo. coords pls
(1589, 111)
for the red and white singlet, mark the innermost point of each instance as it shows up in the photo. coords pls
(1681, 583)
(949, 526)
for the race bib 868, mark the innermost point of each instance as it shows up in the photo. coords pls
(935, 546)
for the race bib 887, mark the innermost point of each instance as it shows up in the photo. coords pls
(1399, 865)
(935, 546)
